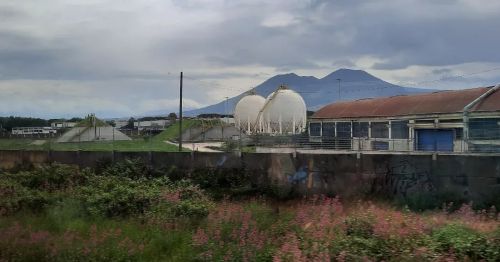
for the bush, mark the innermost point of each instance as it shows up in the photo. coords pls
(493, 248)
(356, 248)
(182, 199)
(432, 200)
(119, 196)
(14, 197)
(461, 240)
(130, 168)
(231, 233)
(221, 182)
(50, 178)
(359, 227)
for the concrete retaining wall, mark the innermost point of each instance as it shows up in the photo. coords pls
(476, 177)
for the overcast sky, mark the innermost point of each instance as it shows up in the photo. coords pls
(61, 58)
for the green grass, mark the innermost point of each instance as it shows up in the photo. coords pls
(132, 145)
(159, 244)
(156, 143)
(248, 149)
(172, 132)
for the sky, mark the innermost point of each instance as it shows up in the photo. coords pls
(115, 58)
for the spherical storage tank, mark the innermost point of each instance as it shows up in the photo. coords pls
(285, 112)
(246, 112)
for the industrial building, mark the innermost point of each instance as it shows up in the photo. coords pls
(446, 121)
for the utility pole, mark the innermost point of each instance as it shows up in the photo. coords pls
(338, 79)
(225, 107)
(224, 122)
(180, 114)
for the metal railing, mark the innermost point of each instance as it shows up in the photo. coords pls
(305, 142)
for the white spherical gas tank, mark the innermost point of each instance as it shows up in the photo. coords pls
(285, 112)
(246, 112)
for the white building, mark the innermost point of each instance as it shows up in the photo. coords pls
(62, 124)
(151, 124)
(29, 131)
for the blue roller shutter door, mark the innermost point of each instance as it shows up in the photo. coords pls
(435, 140)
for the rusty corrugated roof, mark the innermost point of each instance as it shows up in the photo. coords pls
(442, 102)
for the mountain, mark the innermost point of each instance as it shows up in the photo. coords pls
(354, 84)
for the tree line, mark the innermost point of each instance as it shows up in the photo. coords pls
(7, 123)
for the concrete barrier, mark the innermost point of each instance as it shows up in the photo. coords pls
(476, 177)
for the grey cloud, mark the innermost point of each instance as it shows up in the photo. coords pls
(11, 13)
(441, 71)
(133, 49)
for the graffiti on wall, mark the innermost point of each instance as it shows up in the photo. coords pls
(299, 176)
(401, 178)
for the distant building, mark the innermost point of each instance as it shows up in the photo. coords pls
(120, 123)
(62, 124)
(447, 121)
(161, 124)
(227, 120)
(30, 131)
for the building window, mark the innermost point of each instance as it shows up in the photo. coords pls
(315, 129)
(328, 129)
(484, 128)
(380, 129)
(399, 129)
(360, 129)
(343, 129)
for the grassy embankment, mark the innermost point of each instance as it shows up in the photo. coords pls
(155, 143)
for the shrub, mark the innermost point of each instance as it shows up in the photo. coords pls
(221, 182)
(356, 248)
(119, 196)
(130, 168)
(232, 234)
(15, 197)
(493, 248)
(432, 200)
(359, 226)
(181, 199)
(50, 178)
(461, 240)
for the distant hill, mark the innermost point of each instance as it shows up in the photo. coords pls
(354, 84)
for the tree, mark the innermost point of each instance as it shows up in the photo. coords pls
(111, 123)
(172, 117)
(130, 123)
(10, 122)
